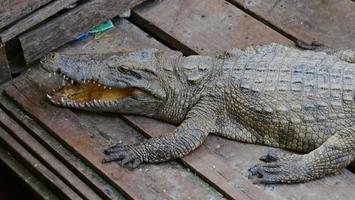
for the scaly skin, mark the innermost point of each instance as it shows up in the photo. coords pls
(271, 95)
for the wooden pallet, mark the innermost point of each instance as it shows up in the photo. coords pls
(67, 144)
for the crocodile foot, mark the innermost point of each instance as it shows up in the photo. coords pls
(123, 155)
(288, 169)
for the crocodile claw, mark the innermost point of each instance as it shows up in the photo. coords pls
(288, 169)
(266, 174)
(123, 155)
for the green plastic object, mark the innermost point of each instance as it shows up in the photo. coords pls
(102, 27)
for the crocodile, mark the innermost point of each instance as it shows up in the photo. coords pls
(284, 97)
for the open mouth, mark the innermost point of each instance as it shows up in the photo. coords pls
(87, 93)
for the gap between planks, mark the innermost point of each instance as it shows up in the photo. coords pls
(46, 158)
(54, 182)
(21, 172)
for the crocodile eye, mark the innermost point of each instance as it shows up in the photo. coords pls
(123, 69)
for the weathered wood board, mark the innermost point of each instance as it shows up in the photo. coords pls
(331, 23)
(12, 10)
(77, 166)
(5, 72)
(34, 18)
(64, 28)
(206, 26)
(45, 157)
(22, 173)
(50, 178)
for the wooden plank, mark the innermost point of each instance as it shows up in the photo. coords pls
(122, 37)
(219, 176)
(17, 150)
(12, 10)
(173, 25)
(34, 19)
(78, 167)
(199, 23)
(46, 158)
(64, 28)
(34, 184)
(328, 22)
(5, 72)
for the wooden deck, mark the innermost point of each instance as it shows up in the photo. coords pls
(61, 149)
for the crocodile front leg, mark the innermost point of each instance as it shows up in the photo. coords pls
(330, 158)
(187, 137)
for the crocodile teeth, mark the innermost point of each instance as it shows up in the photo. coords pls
(52, 100)
(96, 103)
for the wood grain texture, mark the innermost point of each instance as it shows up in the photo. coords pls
(78, 167)
(206, 26)
(34, 19)
(64, 28)
(36, 166)
(5, 72)
(24, 175)
(45, 157)
(12, 10)
(328, 22)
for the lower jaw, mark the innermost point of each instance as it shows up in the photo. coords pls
(94, 104)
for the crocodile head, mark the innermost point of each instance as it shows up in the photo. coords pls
(126, 82)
